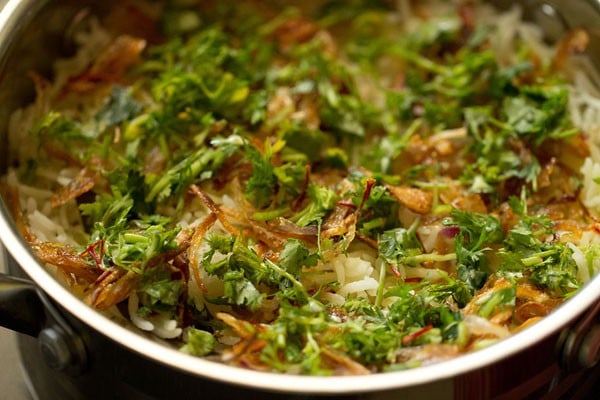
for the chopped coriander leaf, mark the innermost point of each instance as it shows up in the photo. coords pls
(197, 166)
(108, 213)
(557, 271)
(198, 342)
(54, 129)
(434, 32)
(369, 342)
(135, 248)
(540, 113)
(497, 161)
(454, 289)
(476, 232)
(308, 142)
(240, 291)
(389, 148)
(291, 177)
(496, 299)
(528, 232)
(120, 107)
(345, 115)
(289, 338)
(409, 309)
(336, 11)
(130, 241)
(263, 182)
(321, 200)
(162, 294)
(476, 229)
(418, 312)
(398, 245)
(321, 188)
(294, 256)
(378, 209)
(55, 125)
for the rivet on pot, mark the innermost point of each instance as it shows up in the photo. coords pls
(55, 348)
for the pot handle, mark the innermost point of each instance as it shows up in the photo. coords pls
(26, 310)
(21, 308)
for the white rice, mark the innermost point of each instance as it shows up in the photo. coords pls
(132, 308)
(160, 324)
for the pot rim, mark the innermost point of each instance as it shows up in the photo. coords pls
(10, 15)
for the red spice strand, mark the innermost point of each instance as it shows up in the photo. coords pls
(91, 251)
(368, 188)
(411, 337)
(395, 271)
(347, 204)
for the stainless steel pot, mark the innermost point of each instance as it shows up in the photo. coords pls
(68, 350)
